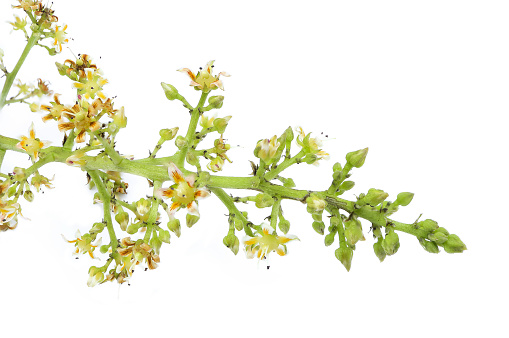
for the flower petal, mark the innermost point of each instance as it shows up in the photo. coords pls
(201, 193)
(192, 208)
(175, 173)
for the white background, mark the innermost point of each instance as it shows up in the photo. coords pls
(423, 84)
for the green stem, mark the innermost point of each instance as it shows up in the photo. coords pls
(108, 148)
(152, 213)
(276, 207)
(105, 198)
(195, 117)
(2, 154)
(285, 164)
(228, 202)
(12, 75)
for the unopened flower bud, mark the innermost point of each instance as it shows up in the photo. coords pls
(379, 250)
(439, 235)
(346, 185)
(284, 226)
(216, 102)
(34, 107)
(180, 142)
(174, 226)
(122, 218)
(429, 246)
(356, 158)
(143, 206)
(192, 159)
(28, 195)
(289, 183)
(238, 224)
(454, 244)
(345, 255)
(232, 242)
(337, 167)
(62, 70)
(329, 239)
(428, 225)
(191, 220)
(317, 217)
(375, 197)
(170, 91)
(319, 227)
(390, 243)
(404, 198)
(133, 228)
(104, 248)
(315, 204)
(221, 124)
(353, 232)
(156, 243)
(263, 200)
(168, 134)
(164, 236)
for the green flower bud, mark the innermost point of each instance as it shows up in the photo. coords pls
(329, 239)
(155, 244)
(97, 227)
(216, 102)
(216, 164)
(164, 236)
(428, 225)
(174, 226)
(356, 158)
(168, 134)
(454, 244)
(180, 142)
(104, 248)
(221, 124)
(133, 228)
(284, 226)
(379, 250)
(239, 225)
(390, 243)
(345, 255)
(317, 217)
(438, 236)
(122, 218)
(170, 91)
(337, 167)
(191, 220)
(335, 221)
(375, 197)
(310, 158)
(263, 200)
(346, 185)
(289, 135)
(319, 227)
(62, 70)
(232, 242)
(192, 159)
(289, 183)
(377, 231)
(353, 232)
(28, 195)
(315, 204)
(429, 246)
(404, 198)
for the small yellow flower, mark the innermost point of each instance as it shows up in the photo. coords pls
(91, 85)
(266, 242)
(183, 193)
(55, 111)
(19, 24)
(312, 144)
(8, 209)
(82, 117)
(31, 144)
(267, 148)
(204, 80)
(84, 244)
(60, 37)
(76, 160)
